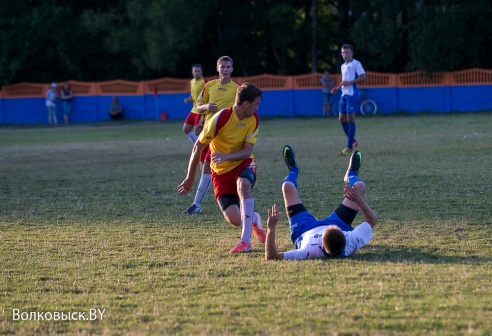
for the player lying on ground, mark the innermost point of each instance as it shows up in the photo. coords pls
(333, 236)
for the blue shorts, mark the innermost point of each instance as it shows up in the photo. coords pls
(348, 104)
(304, 221)
(327, 98)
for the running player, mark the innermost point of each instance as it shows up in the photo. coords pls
(216, 95)
(193, 123)
(231, 134)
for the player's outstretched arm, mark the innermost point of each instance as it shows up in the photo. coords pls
(352, 194)
(187, 183)
(271, 252)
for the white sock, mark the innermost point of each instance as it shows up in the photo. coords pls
(247, 213)
(192, 136)
(203, 187)
(257, 220)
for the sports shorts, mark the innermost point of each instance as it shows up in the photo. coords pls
(226, 183)
(348, 104)
(195, 119)
(304, 221)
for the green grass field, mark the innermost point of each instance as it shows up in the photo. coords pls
(89, 219)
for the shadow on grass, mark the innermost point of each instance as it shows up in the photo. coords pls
(382, 253)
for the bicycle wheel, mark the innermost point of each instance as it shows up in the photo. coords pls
(335, 108)
(368, 106)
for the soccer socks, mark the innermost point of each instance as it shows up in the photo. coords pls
(247, 213)
(345, 126)
(350, 134)
(192, 136)
(352, 178)
(203, 187)
(292, 177)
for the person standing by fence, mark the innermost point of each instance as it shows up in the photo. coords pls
(326, 86)
(51, 95)
(66, 96)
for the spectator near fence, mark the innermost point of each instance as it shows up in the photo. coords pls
(66, 97)
(115, 111)
(51, 95)
(326, 86)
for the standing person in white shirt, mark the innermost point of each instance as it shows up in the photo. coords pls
(352, 73)
(51, 95)
(333, 236)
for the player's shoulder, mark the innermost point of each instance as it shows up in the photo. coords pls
(233, 83)
(257, 117)
(212, 82)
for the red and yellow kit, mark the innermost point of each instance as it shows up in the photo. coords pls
(222, 95)
(226, 133)
(196, 86)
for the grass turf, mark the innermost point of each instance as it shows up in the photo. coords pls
(89, 219)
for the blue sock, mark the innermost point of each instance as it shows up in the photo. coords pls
(345, 126)
(292, 177)
(352, 178)
(350, 134)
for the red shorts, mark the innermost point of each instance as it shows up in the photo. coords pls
(226, 183)
(195, 119)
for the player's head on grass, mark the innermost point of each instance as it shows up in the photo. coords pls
(333, 241)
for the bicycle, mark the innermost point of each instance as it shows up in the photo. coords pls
(367, 106)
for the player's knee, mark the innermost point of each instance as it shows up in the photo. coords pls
(361, 187)
(288, 188)
(232, 216)
(248, 174)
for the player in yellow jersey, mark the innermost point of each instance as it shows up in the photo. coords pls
(231, 135)
(193, 123)
(216, 95)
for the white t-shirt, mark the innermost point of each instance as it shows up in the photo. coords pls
(310, 245)
(50, 97)
(351, 71)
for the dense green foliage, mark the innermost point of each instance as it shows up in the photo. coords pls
(55, 40)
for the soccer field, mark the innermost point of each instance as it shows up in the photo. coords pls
(93, 240)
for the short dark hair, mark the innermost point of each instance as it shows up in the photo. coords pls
(333, 241)
(197, 65)
(248, 92)
(347, 46)
(225, 58)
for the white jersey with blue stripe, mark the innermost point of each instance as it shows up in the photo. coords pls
(351, 71)
(309, 247)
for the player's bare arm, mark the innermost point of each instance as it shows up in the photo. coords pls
(271, 252)
(204, 108)
(187, 184)
(242, 154)
(353, 195)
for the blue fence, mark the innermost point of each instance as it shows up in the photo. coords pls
(275, 103)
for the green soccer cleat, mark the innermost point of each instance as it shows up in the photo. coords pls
(354, 165)
(290, 157)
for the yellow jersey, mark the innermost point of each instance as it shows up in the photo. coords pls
(226, 133)
(223, 96)
(196, 86)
